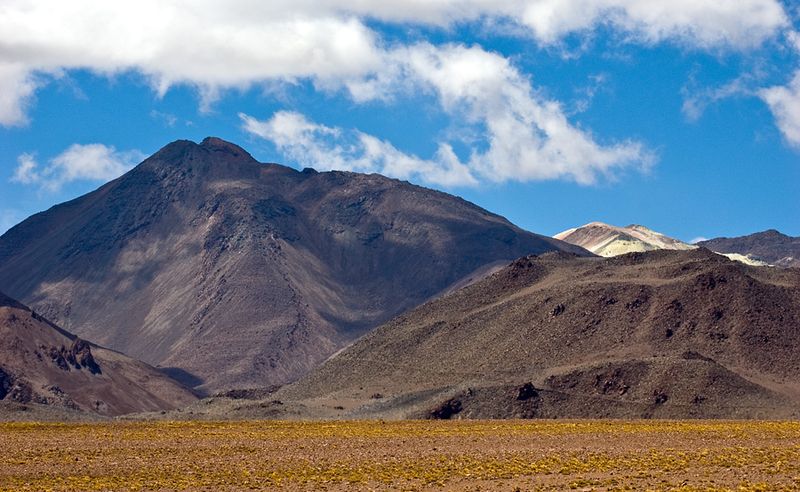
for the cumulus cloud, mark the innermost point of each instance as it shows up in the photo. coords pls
(92, 162)
(325, 148)
(700, 23)
(26, 172)
(528, 136)
(237, 43)
(784, 102)
(17, 86)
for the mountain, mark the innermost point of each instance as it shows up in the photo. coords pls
(608, 240)
(770, 246)
(665, 334)
(230, 273)
(42, 364)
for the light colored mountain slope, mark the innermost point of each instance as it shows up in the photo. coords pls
(608, 240)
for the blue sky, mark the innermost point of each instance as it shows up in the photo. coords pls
(554, 113)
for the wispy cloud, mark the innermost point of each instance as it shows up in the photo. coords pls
(321, 147)
(168, 119)
(784, 101)
(697, 100)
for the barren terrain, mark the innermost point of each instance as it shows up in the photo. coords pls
(663, 334)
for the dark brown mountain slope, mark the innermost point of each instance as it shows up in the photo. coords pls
(242, 274)
(771, 246)
(43, 364)
(671, 334)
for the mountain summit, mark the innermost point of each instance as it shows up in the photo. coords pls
(232, 273)
(607, 240)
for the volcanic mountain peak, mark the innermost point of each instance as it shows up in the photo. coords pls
(211, 158)
(240, 274)
(220, 145)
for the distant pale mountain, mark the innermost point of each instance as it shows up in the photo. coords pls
(42, 364)
(770, 246)
(608, 240)
(230, 273)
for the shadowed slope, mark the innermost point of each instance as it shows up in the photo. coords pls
(771, 246)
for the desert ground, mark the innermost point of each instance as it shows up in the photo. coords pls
(408, 455)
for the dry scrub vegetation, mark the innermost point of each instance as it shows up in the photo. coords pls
(450, 455)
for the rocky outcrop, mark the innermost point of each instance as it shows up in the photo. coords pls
(42, 364)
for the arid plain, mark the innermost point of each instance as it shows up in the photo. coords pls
(402, 455)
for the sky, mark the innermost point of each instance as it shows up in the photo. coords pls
(683, 116)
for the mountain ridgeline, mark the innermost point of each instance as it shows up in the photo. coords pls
(230, 273)
(770, 246)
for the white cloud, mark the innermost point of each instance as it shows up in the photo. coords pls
(324, 148)
(238, 43)
(784, 102)
(17, 86)
(168, 119)
(25, 172)
(698, 239)
(528, 137)
(92, 162)
(698, 23)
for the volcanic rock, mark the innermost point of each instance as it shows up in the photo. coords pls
(229, 273)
